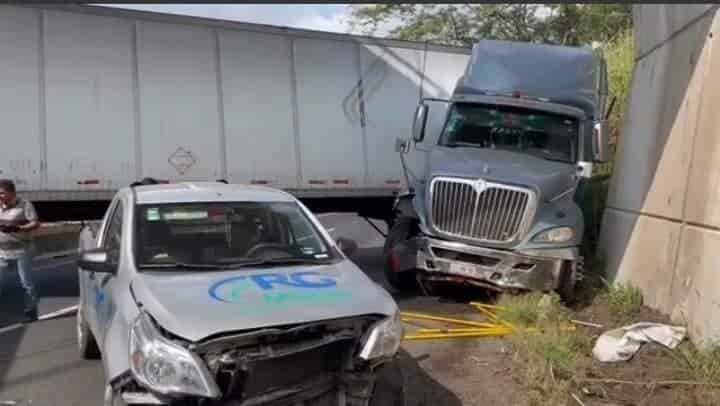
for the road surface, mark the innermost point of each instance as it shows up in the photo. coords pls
(39, 362)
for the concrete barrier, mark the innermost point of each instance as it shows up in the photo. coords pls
(661, 228)
(56, 238)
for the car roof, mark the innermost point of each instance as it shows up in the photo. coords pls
(195, 192)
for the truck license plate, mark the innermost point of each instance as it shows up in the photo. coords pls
(463, 269)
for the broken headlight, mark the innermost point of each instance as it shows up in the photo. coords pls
(384, 338)
(165, 367)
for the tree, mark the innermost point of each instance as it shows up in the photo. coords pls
(456, 24)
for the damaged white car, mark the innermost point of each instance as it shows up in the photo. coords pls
(216, 294)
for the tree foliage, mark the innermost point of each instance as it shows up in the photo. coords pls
(620, 55)
(463, 24)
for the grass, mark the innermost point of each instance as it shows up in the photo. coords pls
(624, 301)
(700, 365)
(548, 358)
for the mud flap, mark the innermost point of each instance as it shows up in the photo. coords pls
(403, 256)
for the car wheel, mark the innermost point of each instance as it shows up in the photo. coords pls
(87, 346)
(389, 387)
(401, 281)
(568, 278)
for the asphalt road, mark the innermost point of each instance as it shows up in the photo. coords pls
(39, 364)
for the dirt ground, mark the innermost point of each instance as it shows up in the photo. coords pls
(480, 371)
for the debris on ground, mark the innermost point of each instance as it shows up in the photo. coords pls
(622, 343)
(496, 327)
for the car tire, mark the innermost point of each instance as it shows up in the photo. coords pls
(87, 346)
(567, 283)
(400, 281)
(389, 387)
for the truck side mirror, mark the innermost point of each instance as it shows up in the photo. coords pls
(418, 128)
(600, 141)
(96, 260)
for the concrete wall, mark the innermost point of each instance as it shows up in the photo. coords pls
(661, 229)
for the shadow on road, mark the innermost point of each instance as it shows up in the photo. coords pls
(407, 378)
(52, 280)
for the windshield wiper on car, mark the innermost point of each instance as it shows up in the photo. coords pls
(463, 144)
(282, 261)
(181, 265)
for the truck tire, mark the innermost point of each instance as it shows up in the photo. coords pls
(566, 286)
(405, 281)
(87, 346)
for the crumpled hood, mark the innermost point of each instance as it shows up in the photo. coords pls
(549, 178)
(194, 305)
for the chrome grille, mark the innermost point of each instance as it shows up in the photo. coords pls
(485, 212)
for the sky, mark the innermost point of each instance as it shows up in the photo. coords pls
(323, 17)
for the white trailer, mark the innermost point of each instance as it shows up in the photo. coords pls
(95, 98)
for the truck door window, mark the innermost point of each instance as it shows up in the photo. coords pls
(534, 132)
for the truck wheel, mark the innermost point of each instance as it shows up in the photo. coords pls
(400, 281)
(566, 287)
(87, 346)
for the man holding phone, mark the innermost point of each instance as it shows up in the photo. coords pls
(17, 218)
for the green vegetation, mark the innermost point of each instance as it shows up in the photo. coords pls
(624, 301)
(463, 24)
(700, 366)
(620, 53)
(549, 357)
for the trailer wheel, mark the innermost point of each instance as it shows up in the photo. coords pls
(568, 278)
(405, 281)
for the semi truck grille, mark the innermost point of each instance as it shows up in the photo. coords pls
(480, 211)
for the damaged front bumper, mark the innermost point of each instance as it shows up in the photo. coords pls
(500, 270)
(311, 364)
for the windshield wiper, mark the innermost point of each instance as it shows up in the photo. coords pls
(282, 261)
(463, 144)
(182, 265)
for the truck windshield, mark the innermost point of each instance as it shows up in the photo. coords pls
(543, 134)
(212, 235)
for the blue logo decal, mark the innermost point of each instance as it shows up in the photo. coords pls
(276, 288)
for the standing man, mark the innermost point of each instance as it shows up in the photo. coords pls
(17, 218)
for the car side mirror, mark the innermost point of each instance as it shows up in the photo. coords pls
(96, 260)
(600, 141)
(401, 145)
(346, 245)
(418, 128)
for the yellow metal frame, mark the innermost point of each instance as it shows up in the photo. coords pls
(469, 329)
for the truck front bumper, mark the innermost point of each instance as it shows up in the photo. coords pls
(499, 270)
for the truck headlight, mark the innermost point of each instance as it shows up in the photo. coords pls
(165, 367)
(558, 234)
(384, 338)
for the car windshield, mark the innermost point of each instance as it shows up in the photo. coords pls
(211, 235)
(546, 135)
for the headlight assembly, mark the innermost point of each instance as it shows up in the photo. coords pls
(558, 234)
(384, 338)
(165, 367)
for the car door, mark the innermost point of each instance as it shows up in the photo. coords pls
(99, 295)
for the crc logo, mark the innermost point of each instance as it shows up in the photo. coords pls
(243, 288)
